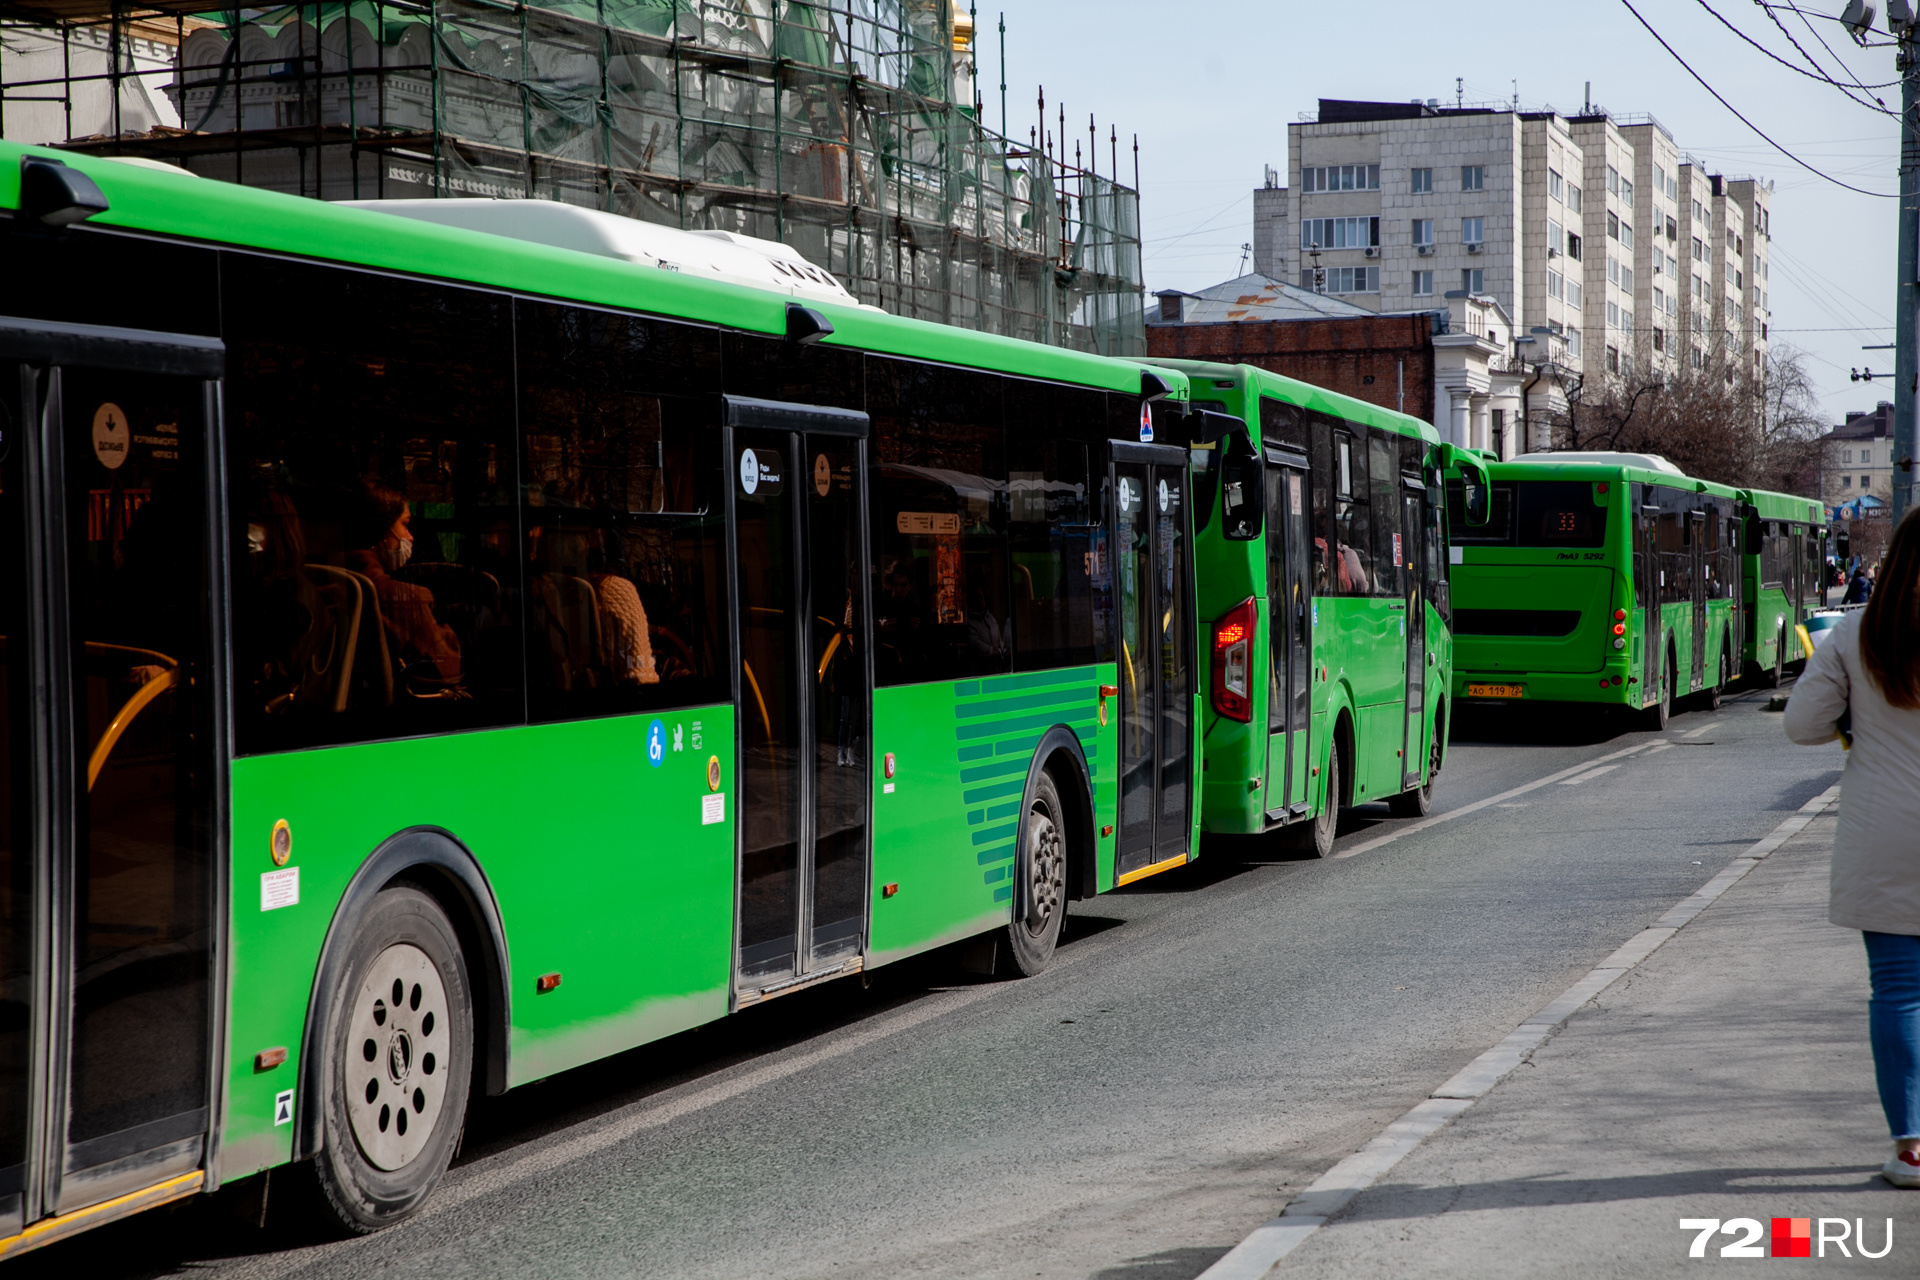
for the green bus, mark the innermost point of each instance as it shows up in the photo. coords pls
(1783, 578)
(438, 660)
(1610, 579)
(1320, 554)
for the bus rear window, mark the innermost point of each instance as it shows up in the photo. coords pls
(1531, 513)
(1558, 513)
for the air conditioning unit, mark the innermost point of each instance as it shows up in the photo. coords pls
(1372, 252)
(1553, 253)
(1424, 250)
(1473, 248)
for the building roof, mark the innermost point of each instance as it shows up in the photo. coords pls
(1873, 424)
(1255, 297)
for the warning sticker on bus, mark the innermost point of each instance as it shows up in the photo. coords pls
(279, 889)
(1495, 691)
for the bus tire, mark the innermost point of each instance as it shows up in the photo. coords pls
(1042, 863)
(1771, 679)
(1656, 716)
(1710, 697)
(1417, 803)
(1316, 837)
(399, 1037)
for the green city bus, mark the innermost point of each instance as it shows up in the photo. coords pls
(1611, 579)
(439, 660)
(1318, 545)
(1783, 578)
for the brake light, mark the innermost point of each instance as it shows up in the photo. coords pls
(1232, 662)
(1619, 628)
(1619, 615)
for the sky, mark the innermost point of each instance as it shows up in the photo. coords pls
(1210, 86)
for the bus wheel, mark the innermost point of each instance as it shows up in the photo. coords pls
(1710, 698)
(1771, 679)
(1656, 716)
(1032, 937)
(1316, 837)
(400, 1036)
(1417, 803)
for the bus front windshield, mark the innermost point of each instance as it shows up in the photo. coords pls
(1531, 513)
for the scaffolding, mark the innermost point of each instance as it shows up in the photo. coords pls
(848, 129)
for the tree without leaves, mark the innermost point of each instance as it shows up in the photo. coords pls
(1717, 422)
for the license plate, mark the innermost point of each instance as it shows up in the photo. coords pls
(1495, 691)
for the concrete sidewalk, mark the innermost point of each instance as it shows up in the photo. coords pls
(1727, 1076)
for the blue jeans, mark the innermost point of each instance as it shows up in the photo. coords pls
(1893, 1025)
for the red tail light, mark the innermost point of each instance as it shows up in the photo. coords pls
(1233, 662)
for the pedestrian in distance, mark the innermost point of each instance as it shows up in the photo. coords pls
(1858, 588)
(1862, 685)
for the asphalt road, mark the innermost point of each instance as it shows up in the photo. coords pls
(1206, 1043)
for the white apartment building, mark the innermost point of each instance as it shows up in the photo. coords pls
(1594, 229)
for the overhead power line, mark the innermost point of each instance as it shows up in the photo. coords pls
(1884, 195)
(1797, 70)
(1814, 32)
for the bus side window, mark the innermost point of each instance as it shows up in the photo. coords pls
(938, 510)
(1320, 481)
(622, 519)
(1054, 538)
(1383, 469)
(1242, 489)
(377, 576)
(1352, 518)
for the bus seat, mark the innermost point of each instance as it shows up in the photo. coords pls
(341, 596)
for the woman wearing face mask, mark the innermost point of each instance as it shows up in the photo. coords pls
(385, 544)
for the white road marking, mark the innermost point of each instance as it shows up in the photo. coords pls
(1589, 775)
(1694, 733)
(1659, 746)
(1368, 846)
(1275, 1238)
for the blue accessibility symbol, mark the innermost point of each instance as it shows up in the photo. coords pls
(656, 743)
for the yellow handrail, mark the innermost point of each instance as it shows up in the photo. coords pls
(766, 720)
(827, 657)
(122, 718)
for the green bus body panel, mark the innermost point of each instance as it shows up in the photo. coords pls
(1771, 605)
(944, 832)
(206, 209)
(600, 866)
(1360, 642)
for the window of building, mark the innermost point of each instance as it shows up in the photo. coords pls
(1739, 244)
(1846, 482)
(1423, 231)
(1846, 455)
(1339, 233)
(1626, 193)
(1613, 315)
(1626, 234)
(1573, 341)
(1573, 292)
(1626, 321)
(1573, 197)
(1341, 177)
(1739, 280)
(1473, 177)
(1345, 279)
(1696, 357)
(1613, 269)
(1613, 226)
(1423, 283)
(1556, 185)
(1659, 300)
(1699, 250)
(1673, 229)
(1613, 359)
(1699, 288)
(1422, 181)
(1573, 246)
(1613, 181)
(1472, 230)
(1555, 288)
(1473, 279)
(1866, 482)
(1699, 213)
(1626, 277)
(1556, 236)
(1866, 456)
(1659, 339)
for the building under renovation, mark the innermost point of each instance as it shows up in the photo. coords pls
(848, 129)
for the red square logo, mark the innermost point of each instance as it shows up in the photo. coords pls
(1793, 1237)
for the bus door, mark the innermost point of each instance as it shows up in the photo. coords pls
(112, 787)
(1413, 525)
(1697, 547)
(1649, 588)
(1290, 635)
(797, 520)
(1154, 655)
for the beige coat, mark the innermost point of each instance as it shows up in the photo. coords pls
(1876, 851)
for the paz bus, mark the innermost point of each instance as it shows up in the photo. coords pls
(1783, 578)
(1609, 579)
(1321, 562)
(437, 659)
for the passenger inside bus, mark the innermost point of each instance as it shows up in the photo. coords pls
(381, 544)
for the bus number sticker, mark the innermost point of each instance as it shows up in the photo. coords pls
(279, 889)
(713, 808)
(1396, 551)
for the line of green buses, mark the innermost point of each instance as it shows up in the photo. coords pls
(1615, 580)
(447, 645)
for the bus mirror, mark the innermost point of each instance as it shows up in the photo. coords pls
(1478, 500)
(1475, 485)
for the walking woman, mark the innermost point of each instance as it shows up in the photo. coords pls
(1868, 668)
